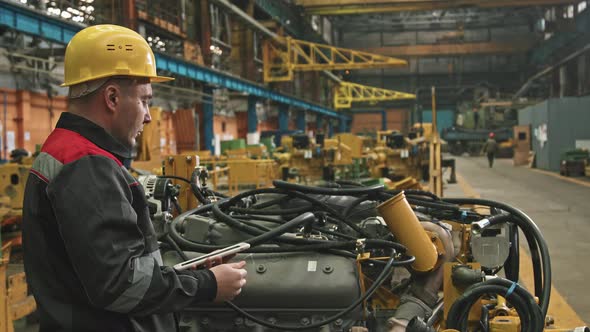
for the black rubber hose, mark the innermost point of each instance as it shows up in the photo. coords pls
(176, 205)
(271, 202)
(211, 192)
(174, 177)
(512, 264)
(354, 204)
(380, 279)
(276, 221)
(300, 195)
(459, 311)
(176, 248)
(440, 205)
(536, 243)
(328, 191)
(539, 270)
(278, 212)
(479, 226)
(349, 183)
(276, 233)
(196, 191)
(202, 247)
(534, 309)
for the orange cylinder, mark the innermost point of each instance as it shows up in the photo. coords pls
(404, 225)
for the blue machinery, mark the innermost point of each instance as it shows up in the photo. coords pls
(37, 24)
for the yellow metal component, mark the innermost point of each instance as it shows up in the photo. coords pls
(346, 93)
(451, 293)
(354, 142)
(350, 7)
(182, 166)
(435, 181)
(433, 50)
(404, 225)
(15, 303)
(505, 324)
(279, 64)
(336, 153)
(383, 298)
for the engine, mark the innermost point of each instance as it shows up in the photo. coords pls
(346, 257)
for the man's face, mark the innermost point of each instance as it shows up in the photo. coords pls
(133, 112)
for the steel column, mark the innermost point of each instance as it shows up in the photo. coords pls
(330, 128)
(283, 117)
(252, 117)
(342, 125)
(301, 120)
(208, 121)
(319, 123)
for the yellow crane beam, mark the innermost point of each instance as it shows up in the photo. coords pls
(433, 50)
(280, 61)
(346, 93)
(355, 7)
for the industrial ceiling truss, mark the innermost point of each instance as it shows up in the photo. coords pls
(355, 7)
(280, 61)
(441, 19)
(346, 93)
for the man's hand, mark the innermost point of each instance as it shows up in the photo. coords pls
(230, 280)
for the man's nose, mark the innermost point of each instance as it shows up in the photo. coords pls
(148, 117)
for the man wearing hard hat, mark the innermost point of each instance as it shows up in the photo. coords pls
(91, 254)
(490, 148)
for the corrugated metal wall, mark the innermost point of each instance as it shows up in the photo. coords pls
(564, 120)
(537, 117)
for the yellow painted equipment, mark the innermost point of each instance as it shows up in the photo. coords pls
(13, 178)
(410, 233)
(435, 163)
(346, 93)
(280, 61)
(15, 303)
(354, 142)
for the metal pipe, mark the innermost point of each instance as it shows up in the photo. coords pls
(404, 225)
(547, 70)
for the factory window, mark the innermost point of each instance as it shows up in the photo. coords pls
(223, 127)
(521, 136)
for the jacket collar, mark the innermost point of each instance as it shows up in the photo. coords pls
(93, 133)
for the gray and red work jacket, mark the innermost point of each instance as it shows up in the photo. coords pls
(91, 255)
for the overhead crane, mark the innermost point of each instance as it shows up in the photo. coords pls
(289, 55)
(347, 93)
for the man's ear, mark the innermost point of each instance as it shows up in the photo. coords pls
(111, 96)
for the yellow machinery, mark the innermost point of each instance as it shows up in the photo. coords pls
(15, 302)
(280, 61)
(399, 158)
(283, 56)
(307, 160)
(346, 93)
(13, 178)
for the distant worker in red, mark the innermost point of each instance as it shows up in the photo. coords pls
(490, 148)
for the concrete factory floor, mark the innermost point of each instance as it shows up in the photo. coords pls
(559, 206)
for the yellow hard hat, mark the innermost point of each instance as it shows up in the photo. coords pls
(101, 51)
